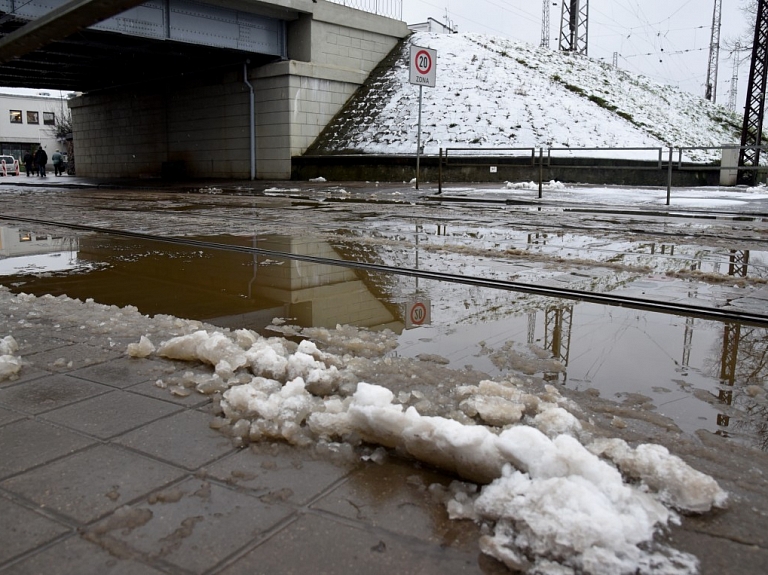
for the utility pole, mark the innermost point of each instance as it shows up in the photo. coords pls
(615, 59)
(714, 52)
(545, 23)
(574, 27)
(734, 91)
(754, 111)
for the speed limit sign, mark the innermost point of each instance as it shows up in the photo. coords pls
(418, 313)
(423, 66)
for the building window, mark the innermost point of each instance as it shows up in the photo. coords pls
(33, 118)
(49, 118)
(15, 116)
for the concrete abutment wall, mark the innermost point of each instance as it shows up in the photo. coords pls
(199, 126)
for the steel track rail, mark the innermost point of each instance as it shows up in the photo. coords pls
(722, 315)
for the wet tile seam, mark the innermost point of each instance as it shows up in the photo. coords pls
(113, 441)
(35, 550)
(261, 539)
(34, 507)
(93, 443)
(47, 411)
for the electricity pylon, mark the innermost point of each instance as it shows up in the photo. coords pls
(714, 52)
(734, 91)
(545, 9)
(574, 27)
(754, 111)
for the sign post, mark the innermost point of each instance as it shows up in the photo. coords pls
(423, 72)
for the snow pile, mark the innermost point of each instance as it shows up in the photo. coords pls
(558, 500)
(10, 364)
(551, 185)
(493, 92)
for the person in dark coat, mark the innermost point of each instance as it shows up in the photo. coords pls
(29, 163)
(41, 158)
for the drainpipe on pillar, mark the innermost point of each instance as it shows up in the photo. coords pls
(252, 119)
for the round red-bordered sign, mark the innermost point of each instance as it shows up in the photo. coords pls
(418, 313)
(423, 62)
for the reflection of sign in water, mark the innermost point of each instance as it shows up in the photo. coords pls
(418, 313)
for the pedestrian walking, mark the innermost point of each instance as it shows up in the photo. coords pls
(58, 163)
(41, 158)
(29, 163)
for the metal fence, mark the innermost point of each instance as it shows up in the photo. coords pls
(642, 159)
(388, 8)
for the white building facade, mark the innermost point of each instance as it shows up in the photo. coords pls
(28, 122)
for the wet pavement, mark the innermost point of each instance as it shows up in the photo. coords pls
(105, 472)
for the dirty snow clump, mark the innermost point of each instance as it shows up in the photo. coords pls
(551, 185)
(142, 349)
(10, 365)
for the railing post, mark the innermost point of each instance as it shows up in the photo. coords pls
(440, 173)
(541, 172)
(669, 177)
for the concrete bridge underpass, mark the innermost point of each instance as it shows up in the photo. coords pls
(219, 88)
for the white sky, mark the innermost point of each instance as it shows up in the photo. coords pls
(667, 40)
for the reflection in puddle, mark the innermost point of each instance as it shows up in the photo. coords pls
(701, 374)
(27, 252)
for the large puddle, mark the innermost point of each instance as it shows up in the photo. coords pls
(699, 373)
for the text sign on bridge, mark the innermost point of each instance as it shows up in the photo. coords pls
(423, 66)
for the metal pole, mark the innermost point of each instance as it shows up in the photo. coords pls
(418, 139)
(251, 119)
(440, 173)
(541, 172)
(669, 178)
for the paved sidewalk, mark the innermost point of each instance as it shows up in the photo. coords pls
(103, 472)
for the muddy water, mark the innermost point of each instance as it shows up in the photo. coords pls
(696, 372)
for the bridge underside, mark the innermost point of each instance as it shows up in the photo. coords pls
(92, 60)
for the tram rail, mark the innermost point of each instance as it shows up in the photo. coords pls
(614, 300)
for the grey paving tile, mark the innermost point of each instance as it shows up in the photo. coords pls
(394, 496)
(8, 416)
(123, 371)
(279, 472)
(194, 525)
(111, 414)
(35, 341)
(27, 443)
(70, 358)
(75, 556)
(94, 482)
(47, 393)
(321, 546)
(22, 530)
(184, 439)
(148, 388)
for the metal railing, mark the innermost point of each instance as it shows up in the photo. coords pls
(656, 159)
(387, 8)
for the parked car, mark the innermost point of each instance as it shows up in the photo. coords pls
(9, 167)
